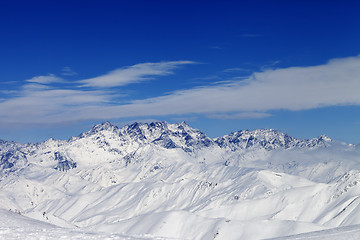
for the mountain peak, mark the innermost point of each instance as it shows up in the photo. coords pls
(103, 126)
(269, 139)
(324, 138)
(183, 123)
(181, 134)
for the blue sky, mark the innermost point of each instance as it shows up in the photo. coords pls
(221, 66)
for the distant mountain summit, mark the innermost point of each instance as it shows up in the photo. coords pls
(124, 142)
(181, 135)
(269, 139)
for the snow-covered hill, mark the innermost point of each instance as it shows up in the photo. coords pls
(170, 181)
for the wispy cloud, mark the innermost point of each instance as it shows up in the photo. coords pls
(133, 74)
(241, 115)
(67, 71)
(41, 105)
(269, 65)
(51, 78)
(210, 78)
(295, 88)
(236, 69)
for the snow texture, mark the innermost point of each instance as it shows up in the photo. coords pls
(170, 181)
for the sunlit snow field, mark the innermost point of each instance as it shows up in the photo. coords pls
(170, 181)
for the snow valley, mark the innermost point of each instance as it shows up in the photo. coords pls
(170, 181)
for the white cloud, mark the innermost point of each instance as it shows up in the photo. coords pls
(133, 74)
(67, 71)
(51, 78)
(296, 88)
(236, 69)
(45, 105)
(241, 115)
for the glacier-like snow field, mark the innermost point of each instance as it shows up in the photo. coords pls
(170, 181)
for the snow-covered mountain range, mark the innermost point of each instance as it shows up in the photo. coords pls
(170, 181)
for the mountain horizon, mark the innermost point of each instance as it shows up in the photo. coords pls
(158, 180)
(109, 123)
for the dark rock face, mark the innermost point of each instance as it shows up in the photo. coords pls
(5, 160)
(64, 163)
(12, 160)
(165, 141)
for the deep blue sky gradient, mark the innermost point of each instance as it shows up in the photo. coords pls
(95, 37)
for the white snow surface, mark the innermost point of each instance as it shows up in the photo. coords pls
(170, 181)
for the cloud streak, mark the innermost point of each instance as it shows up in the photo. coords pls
(51, 78)
(241, 115)
(67, 71)
(296, 88)
(133, 74)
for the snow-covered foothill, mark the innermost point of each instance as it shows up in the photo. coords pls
(170, 181)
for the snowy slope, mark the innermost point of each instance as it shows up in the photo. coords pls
(340, 233)
(15, 226)
(162, 180)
